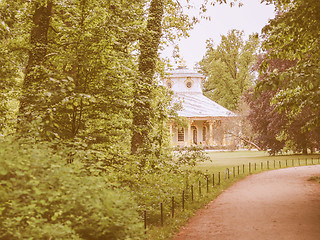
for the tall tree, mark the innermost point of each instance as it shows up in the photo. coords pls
(31, 102)
(78, 71)
(277, 131)
(228, 68)
(11, 37)
(149, 45)
(95, 70)
(294, 35)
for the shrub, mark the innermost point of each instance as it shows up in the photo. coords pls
(43, 197)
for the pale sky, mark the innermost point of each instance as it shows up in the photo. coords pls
(250, 18)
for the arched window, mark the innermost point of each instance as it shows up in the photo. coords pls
(204, 134)
(180, 134)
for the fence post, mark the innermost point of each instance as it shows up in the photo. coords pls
(161, 213)
(192, 193)
(286, 163)
(172, 210)
(219, 178)
(238, 170)
(249, 167)
(306, 161)
(207, 184)
(183, 200)
(279, 164)
(255, 166)
(199, 188)
(261, 165)
(243, 168)
(268, 164)
(234, 172)
(212, 179)
(145, 221)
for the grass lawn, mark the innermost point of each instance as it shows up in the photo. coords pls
(222, 160)
(252, 161)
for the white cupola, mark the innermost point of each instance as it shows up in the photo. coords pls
(184, 80)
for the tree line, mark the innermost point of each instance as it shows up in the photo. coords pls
(82, 118)
(272, 81)
(83, 130)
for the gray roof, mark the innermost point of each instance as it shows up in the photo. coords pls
(197, 105)
(185, 72)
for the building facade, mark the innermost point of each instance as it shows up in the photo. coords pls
(208, 123)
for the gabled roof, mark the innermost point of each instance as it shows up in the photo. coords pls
(197, 105)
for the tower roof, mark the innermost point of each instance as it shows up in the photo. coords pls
(185, 72)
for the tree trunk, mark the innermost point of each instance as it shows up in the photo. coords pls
(149, 44)
(30, 101)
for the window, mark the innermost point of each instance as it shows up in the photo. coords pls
(180, 134)
(204, 134)
(189, 84)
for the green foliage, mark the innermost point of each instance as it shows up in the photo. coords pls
(43, 197)
(290, 76)
(294, 35)
(71, 85)
(190, 156)
(228, 68)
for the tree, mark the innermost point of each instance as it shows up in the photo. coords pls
(294, 35)
(228, 68)
(34, 83)
(96, 69)
(78, 68)
(276, 131)
(12, 58)
(144, 84)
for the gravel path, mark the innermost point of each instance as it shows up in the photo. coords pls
(275, 205)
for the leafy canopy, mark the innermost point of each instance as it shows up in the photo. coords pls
(228, 68)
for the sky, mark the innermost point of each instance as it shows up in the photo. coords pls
(250, 18)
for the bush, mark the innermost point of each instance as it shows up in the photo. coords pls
(43, 197)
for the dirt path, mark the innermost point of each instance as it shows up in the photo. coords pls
(275, 205)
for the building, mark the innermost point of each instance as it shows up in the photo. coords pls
(208, 123)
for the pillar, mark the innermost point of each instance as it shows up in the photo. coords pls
(210, 134)
(189, 133)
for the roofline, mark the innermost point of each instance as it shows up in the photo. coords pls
(209, 118)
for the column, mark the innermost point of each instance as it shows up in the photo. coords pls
(210, 133)
(189, 133)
